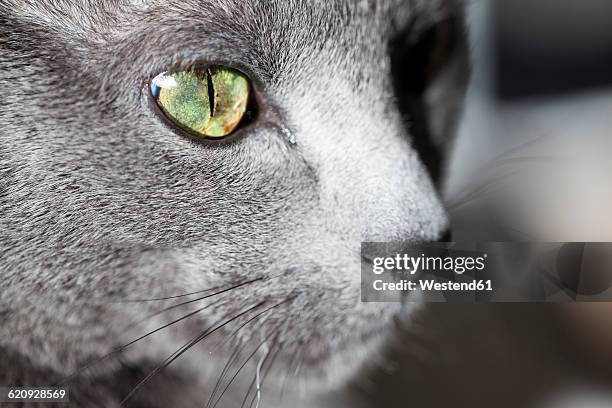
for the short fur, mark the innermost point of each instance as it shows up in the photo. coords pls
(101, 203)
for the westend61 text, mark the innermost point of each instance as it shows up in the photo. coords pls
(432, 285)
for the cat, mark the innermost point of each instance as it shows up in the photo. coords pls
(114, 225)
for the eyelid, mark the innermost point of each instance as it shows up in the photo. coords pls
(258, 78)
(267, 115)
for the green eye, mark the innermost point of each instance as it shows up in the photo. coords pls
(210, 103)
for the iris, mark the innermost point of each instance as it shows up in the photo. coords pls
(209, 103)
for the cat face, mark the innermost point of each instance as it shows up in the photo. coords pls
(103, 201)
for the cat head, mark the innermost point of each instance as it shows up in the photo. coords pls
(103, 200)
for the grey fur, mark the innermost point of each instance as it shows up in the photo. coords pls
(99, 202)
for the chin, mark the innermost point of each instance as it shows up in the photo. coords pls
(332, 366)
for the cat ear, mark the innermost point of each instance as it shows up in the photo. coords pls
(430, 69)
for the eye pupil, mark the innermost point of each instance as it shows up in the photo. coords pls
(210, 103)
(211, 93)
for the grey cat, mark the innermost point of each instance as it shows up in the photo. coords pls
(109, 218)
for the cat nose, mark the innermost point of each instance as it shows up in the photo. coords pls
(446, 236)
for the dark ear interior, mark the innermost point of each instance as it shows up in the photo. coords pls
(430, 73)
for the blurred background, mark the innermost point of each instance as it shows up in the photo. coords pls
(532, 159)
(532, 163)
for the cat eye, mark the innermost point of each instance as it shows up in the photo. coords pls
(210, 103)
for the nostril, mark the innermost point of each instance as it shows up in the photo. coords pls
(446, 236)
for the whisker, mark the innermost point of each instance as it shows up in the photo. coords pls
(250, 356)
(257, 395)
(502, 159)
(170, 359)
(299, 365)
(124, 346)
(192, 300)
(168, 297)
(292, 362)
(290, 298)
(543, 136)
(236, 352)
(528, 159)
(273, 332)
(251, 386)
(260, 364)
(164, 310)
(478, 191)
(520, 147)
(226, 367)
(243, 365)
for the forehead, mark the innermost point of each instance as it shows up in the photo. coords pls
(318, 17)
(275, 39)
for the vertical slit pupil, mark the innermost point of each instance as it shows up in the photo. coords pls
(211, 93)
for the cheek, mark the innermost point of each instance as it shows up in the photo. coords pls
(164, 189)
